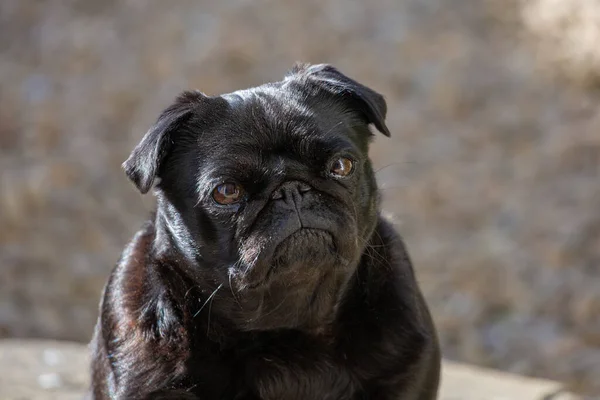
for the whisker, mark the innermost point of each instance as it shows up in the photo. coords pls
(371, 251)
(207, 300)
(231, 289)
(274, 309)
(189, 290)
(381, 169)
(209, 310)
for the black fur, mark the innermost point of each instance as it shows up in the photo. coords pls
(299, 291)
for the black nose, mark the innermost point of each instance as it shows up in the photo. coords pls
(290, 191)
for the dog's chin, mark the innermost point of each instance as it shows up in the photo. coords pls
(298, 285)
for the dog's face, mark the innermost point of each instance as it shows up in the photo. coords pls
(268, 191)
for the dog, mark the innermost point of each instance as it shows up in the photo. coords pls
(266, 271)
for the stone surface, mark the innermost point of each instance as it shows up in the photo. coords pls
(491, 173)
(32, 370)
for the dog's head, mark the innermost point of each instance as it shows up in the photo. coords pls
(268, 190)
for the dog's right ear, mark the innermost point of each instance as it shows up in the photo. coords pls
(359, 97)
(143, 164)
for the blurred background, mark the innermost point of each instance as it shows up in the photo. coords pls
(492, 173)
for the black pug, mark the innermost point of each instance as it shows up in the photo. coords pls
(266, 272)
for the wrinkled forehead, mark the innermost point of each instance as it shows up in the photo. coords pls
(273, 100)
(276, 110)
(273, 119)
(271, 131)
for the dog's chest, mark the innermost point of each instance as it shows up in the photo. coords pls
(301, 376)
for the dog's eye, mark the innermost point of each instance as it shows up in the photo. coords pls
(227, 193)
(343, 166)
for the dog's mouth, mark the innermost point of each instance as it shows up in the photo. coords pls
(305, 242)
(297, 257)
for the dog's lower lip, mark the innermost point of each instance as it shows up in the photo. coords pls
(307, 230)
(318, 231)
(271, 269)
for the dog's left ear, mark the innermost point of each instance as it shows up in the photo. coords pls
(145, 160)
(367, 101)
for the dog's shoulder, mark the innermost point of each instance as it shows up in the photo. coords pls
(137, 295)
(140, 331)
